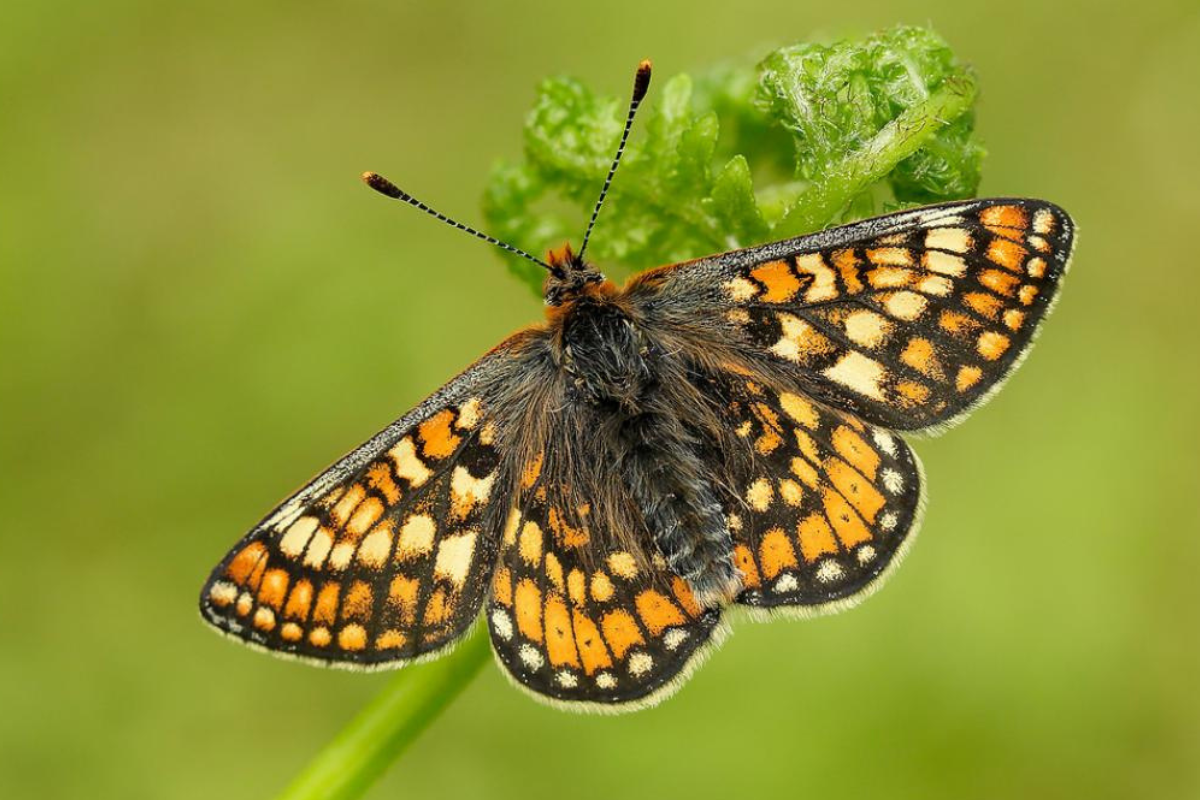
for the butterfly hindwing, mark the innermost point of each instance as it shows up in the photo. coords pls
(384, 557)
(825, 502)
(909, 320)
(578, 621)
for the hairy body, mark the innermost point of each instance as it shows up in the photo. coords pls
(640, 406)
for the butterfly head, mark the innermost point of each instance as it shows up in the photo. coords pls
(570, 276)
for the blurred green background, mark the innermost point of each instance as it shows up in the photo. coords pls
(201, 306)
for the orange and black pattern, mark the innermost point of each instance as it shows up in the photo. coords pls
(576, 619)
(382, 559)
(743, 407)
(907, 320)
(824, 503)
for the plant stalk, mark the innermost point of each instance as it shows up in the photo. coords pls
(384, 729)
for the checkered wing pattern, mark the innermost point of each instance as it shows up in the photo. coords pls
(826, 502)
(909, 320)
(386, 556)
(580, 622)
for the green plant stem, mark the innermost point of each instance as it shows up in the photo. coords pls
(824, 201)
(365, 748)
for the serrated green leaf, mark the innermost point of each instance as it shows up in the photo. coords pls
(814, 135)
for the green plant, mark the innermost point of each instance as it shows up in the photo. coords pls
(815, 135)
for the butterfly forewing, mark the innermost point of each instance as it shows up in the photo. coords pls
(909, 320)
(387, 555)
(579, 621)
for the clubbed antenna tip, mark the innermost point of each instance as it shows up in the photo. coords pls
(641, 81)
(383, 185)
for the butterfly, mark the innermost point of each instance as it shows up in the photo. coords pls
(604, 486)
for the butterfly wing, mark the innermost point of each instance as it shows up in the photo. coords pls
(824, 505)
(909, 320)
(386, 556)
(579, 622)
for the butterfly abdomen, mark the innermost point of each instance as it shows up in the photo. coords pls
(634, 387)
(673, 490)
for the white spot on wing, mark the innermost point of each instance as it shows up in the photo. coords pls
(885, 441)
(787, 583)
(502, 624)
(893, 481)
(829, 570)
(674, 638)
(530, 657)
(640, 664)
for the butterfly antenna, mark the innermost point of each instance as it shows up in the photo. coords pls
(641, 82)
(389, 189)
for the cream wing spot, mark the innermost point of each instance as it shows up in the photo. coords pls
(797, 338)
(467, 491)
(223, 593)
(1043, 221)
(824, 284)
(416, 537)
(906, 306)
(408, 464)
(318, 548)
(468, 414)
(453, 560)
(531, 544)
(623, 565)
(375, 547)
(944, 263)
(297, 536)
(956, 240)
(740, 290)
(341, 555)
(937, 285)
(866, 328)
(760, 494)
(859, 373)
